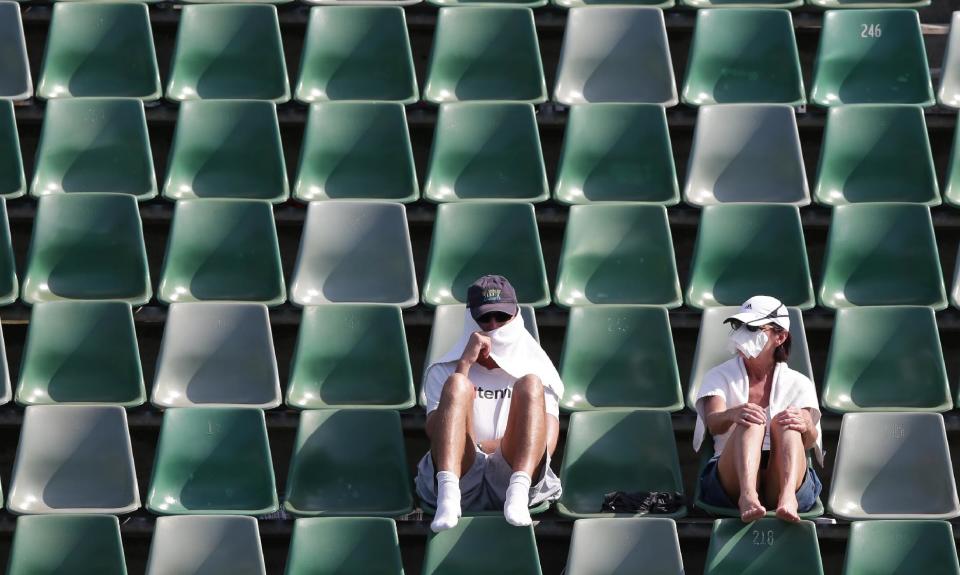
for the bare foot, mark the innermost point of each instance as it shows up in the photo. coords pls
(750, 508)
(787, 508)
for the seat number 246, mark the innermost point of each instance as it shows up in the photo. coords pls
(870, 31)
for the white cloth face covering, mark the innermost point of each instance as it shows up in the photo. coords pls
(750, 343)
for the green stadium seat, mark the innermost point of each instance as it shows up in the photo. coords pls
(599, 63)
(618, 254)
(228, 51)
(876, 153)
(357, 151)
(617, 450)
(741, 3)
(6, 391)
(871, 57)
(361, 2)
(15, 81)
(619, 357)
(94, 145)
(351, 356)
(217, 354)
(618, 153)
(711, 348)
(213, 460)
(893, 466)
(99, 50)
(357, 53)
(901, 548)
(227, 149)
(9, 286)
(767, 545)
(746, 153)
(67, 545)
(87, 246)
(886, 359)
(346, 545)
(366, 475)
(955, 292)
(355, 252)
(466, 549)
(471, 240)
(859, 4)
(13, 183)
(447, 327)
(206, 545)
(882, 254)
(522, 3)
(486, 151)
(949, 92)
(81, 352)
(743, 56)
(73, 459)
(951, 193)
(620, 546)
(222, 250)
(664, 4)
(485, 53)
(738, 246)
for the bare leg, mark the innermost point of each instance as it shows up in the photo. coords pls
(449, 427)
(451, 447)
(785, 475)
(738, 468)
(523, 446)
(525, 439)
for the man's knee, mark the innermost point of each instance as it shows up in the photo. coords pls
(528, 387)
(457, 387)
(748, 431)
(779, 431)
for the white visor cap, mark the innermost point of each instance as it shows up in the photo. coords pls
(761, 310)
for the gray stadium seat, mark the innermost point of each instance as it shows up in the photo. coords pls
(624, 546)
(206, 545)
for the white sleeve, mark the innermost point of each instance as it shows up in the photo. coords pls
(713, 384)
(433, 382)
(805, 396)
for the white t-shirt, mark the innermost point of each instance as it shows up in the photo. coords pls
(730, 381)
(492, 402)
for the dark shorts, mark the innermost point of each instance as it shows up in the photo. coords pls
(712, 492)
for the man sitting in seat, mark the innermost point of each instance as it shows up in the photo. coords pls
(763, 417)
(492, 415)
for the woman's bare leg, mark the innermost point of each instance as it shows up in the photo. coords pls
(788, 465)
(739, 467)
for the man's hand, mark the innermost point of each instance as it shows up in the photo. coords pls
(793, 418)
(747, 414)
(477, 351)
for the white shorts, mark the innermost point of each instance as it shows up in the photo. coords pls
(484, 486)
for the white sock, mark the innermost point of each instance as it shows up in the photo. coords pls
(448, 501)
(516, 508)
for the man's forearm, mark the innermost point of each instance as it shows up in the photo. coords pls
(463, 367)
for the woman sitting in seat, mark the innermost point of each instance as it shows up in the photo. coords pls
(763, 416)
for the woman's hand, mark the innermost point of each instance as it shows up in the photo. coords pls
(747, 414)
(794, 419)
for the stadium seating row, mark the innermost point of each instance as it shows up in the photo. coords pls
(90, 246)
(614, 357)
(481, 151)
(231, 544)
(479, 53)
(78, 459)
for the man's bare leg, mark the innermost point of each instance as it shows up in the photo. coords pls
(451, 447)
(738, 469)
(788, 465)
(523, 446)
